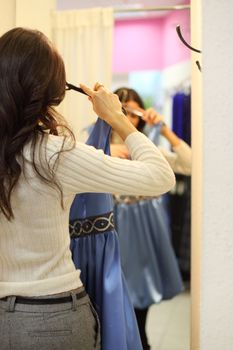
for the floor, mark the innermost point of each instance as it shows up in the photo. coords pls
(168, 325)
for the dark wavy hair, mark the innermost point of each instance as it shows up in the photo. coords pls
(32, 81)
(126, 94)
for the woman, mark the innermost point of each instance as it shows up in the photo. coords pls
(148, 260)
(180, 159)
(43, 304)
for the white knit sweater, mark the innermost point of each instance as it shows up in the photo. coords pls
(35, 257)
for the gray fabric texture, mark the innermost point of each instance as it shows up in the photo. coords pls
(67, 326)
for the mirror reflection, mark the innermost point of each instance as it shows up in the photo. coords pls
(152, 73)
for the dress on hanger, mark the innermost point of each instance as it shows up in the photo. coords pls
(95, 251)
(148, 260)
(180, 199)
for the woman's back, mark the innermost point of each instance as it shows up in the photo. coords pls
(35, 244)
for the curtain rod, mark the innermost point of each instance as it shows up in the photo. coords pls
(151, 9)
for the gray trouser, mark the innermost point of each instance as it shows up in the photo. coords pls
(67, 326)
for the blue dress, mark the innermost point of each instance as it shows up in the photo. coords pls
(148, 259)
(95, 251)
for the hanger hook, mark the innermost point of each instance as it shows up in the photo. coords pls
(198, 65)
(178, 30)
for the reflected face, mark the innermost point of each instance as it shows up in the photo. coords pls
(134, 119)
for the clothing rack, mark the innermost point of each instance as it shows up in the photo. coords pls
(152, 9)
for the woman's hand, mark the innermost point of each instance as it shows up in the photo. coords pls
(119, 151)
(105, 104)
(109, 108)
(152, 117)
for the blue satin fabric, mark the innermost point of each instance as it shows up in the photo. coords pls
(98, 258)
(154, 133)
(181, 116)
(148, 259)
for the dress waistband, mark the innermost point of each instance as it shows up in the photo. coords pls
(91, 225)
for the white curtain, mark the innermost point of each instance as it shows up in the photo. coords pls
(84, 39)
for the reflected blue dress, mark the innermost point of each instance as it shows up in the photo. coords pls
(148, 259)
(95, 251)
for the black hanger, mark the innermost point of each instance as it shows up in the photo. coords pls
(198, 65)
(178, 30)
(75, 88)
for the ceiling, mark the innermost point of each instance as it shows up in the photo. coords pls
(115, 3)
(121, 4)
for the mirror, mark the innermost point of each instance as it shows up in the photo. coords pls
(149, 58)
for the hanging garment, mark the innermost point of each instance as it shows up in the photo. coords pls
(153, 133)
(148, 260)
(180, 198)
(180, 209)
(95, 251)
(181, 116)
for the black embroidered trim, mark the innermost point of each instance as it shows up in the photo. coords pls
(91, 225)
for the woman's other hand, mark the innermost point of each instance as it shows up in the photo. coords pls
(152, 117)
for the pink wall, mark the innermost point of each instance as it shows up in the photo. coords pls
(136, 44)
(150, 44)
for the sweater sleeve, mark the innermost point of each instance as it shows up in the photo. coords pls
(181, 159)
(86, 169)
